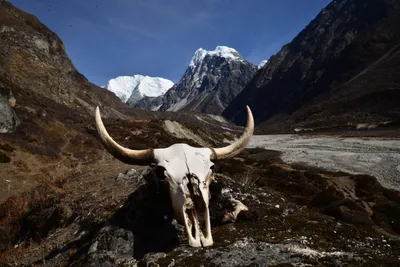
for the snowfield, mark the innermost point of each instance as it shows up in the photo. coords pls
(373, 156)
(138, 86)
(220, 51)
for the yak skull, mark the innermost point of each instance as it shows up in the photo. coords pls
(188, 171)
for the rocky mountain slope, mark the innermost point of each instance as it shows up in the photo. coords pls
(262, 64)
(340, 71)
(47, 107)
(131, 89)
(35, 69)
(33, 63)
(211, 81)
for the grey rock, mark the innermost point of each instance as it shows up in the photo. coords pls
(112, 246)
(151, 259)
(149, 103)
(8, 119)
(250, 252)
(144, 228)
(134, 98)
(129, 176)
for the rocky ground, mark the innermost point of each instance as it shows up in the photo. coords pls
(378, 157)
(108, 215)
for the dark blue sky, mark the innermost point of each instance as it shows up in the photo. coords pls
(105, 38)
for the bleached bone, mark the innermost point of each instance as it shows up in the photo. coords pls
(188, 171)
(238, 207)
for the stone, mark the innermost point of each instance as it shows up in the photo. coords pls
(8, 119)
(111, 246)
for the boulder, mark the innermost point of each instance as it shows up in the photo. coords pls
(8, 119)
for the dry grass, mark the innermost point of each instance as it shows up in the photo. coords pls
(52, 208)
(249, 179)
(29, 216)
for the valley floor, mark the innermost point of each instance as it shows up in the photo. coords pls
(377, 157)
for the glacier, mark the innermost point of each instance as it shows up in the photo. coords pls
(133, 88)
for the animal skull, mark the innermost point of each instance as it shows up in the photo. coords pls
(188, 171)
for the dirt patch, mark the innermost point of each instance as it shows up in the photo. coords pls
(180, 131)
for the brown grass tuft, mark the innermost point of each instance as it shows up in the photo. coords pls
(30, 215)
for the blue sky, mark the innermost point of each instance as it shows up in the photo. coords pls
(105, 38)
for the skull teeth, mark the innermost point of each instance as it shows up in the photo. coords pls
(195, 205)
(194, 233)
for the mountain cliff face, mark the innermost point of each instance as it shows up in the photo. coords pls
(211, 81)
(151, 103)
(336, 71)
(34, 64)
(131, 89)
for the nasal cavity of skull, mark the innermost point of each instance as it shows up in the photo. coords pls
(199, 209)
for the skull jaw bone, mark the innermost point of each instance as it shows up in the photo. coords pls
(195, 236)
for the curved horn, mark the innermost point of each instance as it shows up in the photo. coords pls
(240, 144)
(129, 156)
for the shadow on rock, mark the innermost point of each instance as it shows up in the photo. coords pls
(144, 227)
(143, 224)
(148, 215)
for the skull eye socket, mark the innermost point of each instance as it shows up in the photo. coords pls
(160, 172)
(212, 168)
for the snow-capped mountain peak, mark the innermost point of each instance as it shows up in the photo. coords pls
(133, 88)
(221, 51)
(211, 81)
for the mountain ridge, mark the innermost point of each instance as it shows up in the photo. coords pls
(343, 40)
(210, 82)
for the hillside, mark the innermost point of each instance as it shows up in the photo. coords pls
(340, 71)
(34, 65)
(47, 109)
